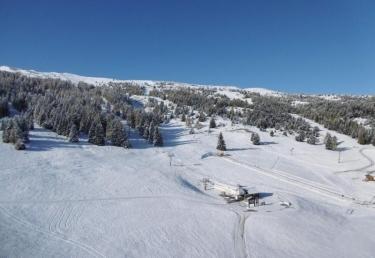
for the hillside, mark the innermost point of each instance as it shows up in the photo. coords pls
(59, 198)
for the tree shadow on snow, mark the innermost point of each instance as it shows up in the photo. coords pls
(264, 195)
(241, 149)
(172, 133)
(267, 143)
(45, 145)
(48, 142)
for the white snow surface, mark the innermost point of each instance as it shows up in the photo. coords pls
(59, 199)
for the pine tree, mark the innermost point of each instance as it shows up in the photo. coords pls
(119, 137)
(212, 123)
(183, 117)
(96, 133)
(373, 140)
(327, 138)
(272, 134)
(301, 136)
(312, 140)
(74, 134)
(362, 136)
(158, 139)
(202, 117)
(316, 131)
(221, 143)
(6, 132)
(151, 131)
(255, 138)
(330, 142)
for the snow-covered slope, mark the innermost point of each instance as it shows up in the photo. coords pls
(79, 200)
(97, 81)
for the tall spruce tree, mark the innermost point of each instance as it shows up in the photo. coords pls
(255, 138)
(151, 131)
(96, 133)
(158, 139)
(119, 137)
(212, 123)
(74, 134)
(221, 146)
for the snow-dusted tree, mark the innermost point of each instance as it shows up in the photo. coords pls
(74, 134)
(158, 139)
(13, 132)
(183, 117)
(221, 146)
(312, 139)
(151, 131)
(255, 138)
(30, 121)
(202, 117)
(330, 142)
(96, 133)
(212, 123)
(362, 136)
(6, 134)
(146, 131)
(118, 136)
(301, 136)
(327, 138)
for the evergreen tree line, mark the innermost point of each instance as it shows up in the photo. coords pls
(69, 109)
(4, 108)
(340, 116)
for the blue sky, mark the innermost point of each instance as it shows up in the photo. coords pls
(294, 46)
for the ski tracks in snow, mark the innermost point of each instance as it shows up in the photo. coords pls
(239, 236)
(76, 243)
(361, 169)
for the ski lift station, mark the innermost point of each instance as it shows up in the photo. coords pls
(232, 193)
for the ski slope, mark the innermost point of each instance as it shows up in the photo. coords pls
(79, 200)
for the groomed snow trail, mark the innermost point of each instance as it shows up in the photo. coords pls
(306, 184)
(29, 226)
(239, 237)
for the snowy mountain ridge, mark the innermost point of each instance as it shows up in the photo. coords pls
(101, 81)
